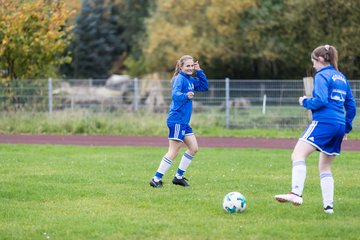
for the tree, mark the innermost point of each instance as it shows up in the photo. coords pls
(205, 29)
(309, 23)
(96, 42)
(262, 45)
(280, 35)
(252, 38)
(33, 37)
(131, 16)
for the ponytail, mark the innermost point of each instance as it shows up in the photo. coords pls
(328, 53)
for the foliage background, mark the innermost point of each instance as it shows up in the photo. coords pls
(254, 38)
(248, 39)
(33, 36)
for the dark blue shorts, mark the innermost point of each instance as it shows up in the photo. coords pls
(179, 131)
(326, 137)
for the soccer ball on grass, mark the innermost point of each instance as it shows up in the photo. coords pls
(234, 202)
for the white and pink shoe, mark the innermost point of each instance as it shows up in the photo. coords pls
(290, 197)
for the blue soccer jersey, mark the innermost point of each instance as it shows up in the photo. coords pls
(181, 106)
(331, 95)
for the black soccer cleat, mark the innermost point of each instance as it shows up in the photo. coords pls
(154, 184)
(182, 182)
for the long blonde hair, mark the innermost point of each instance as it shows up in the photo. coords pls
(328, 52)
(180, 63)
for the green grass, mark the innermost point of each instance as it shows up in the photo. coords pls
(76, 192)
(139, 124)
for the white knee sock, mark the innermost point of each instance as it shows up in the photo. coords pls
(184, 164)
(164, 166)
(298, 176)
(327, 188)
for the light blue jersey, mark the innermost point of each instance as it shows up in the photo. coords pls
(181, 106)
(331, 95)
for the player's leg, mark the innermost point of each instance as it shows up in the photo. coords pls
(331, 149)
(326, 182)
(166, 162)
(176, 138)
(191, 144)
(192, 148)
(300, 153)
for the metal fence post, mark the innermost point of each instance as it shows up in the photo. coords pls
(50, 95)
(136, 93)
(264, 105)
(227, 102)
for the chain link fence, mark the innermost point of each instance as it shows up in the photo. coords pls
(233, 102)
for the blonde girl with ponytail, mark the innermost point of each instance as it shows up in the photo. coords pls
(184, 86)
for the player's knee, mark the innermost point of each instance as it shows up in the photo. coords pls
(172, 154)
(193, 150)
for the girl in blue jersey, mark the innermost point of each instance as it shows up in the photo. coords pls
(183, 87)
(331, 96)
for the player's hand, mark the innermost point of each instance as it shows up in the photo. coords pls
(196, 65)
(190, 95)
(345, 137)
(301, 99)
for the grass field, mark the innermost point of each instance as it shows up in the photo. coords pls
(74, 192)
(140, 124)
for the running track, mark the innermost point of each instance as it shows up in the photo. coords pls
(225, 142)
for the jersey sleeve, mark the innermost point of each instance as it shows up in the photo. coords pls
(200, 82)
(177, 94)
(350, 109)
(320, 94)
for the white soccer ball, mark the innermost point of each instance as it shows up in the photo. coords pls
(234, 202)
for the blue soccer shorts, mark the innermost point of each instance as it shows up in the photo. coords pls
(326, 137)
(179, 131)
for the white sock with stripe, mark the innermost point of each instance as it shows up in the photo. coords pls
(164, 166)
(298, 176)
(327, 188)
(184, 164)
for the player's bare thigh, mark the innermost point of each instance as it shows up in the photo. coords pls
(191, 143)
(174, 148)
(302, 150)
(325, 162)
